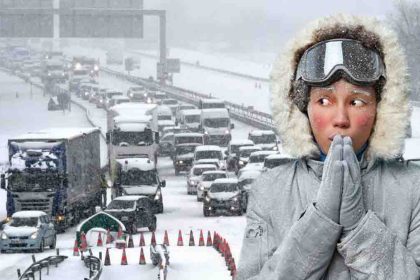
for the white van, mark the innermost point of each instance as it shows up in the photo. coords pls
(190, 119)
(216, 126)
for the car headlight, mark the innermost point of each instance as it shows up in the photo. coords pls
(157, 196)
(275, 148)
(207, 199)
(227, 131)
(192, 182)
(206, 132)
(4, 236)
(235, 198)
(180, 162)
(34, 235)
(241, 162)
(145, 95)
(96, 68)
(201, 188)
(86, 93)
(131, 95)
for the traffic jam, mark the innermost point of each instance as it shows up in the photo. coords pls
(48, 170)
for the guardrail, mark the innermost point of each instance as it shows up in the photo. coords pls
(37, 266)
(242, 113)
(94, 264)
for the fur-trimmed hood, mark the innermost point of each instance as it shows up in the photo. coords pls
(393, 111)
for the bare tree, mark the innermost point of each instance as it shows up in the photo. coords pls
(405, 20)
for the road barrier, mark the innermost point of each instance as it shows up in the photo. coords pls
(94, 264)
(38, 266)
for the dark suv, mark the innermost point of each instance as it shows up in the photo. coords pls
(134, 211)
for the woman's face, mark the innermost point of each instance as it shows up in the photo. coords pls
(342, 108)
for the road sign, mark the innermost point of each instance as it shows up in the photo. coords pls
(78, 18)
(173, 65)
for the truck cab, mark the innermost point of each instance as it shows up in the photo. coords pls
(139, 176)
(216, 126)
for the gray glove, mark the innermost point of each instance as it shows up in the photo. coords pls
(352, 208)
(329, 194)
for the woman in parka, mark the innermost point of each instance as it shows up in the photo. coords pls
(347, 207)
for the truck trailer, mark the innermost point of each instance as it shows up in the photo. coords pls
(57, 171)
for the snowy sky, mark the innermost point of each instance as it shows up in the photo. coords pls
(256, 24)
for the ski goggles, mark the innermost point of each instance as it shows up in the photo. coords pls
(321, 62)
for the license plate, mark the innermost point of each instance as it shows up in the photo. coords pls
(124, 218)
(15, 241)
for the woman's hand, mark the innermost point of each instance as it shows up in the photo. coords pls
(329, 193)
(352, 208)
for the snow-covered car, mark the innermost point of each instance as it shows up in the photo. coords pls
(207, 179)
(166, 144)
(134, 211)
(243, 157)
(256, 161)
(206, 152)
(275, 160)
(183, 156)
(244, 182)
(266, 139)
(171, 103)
(194, 176)
(28, 230)
(190, 119)
(232, 152)
(182, 107)
(138, 94)
(223, 194)
(115, 100)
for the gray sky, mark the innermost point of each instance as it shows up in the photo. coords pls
(251, 24)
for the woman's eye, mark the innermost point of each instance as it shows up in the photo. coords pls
(324, 101)
(358, 102)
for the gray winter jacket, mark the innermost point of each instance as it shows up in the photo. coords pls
(286, 237)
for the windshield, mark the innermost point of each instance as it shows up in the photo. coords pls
(213, 176)
(259, 158)
(234, 149)
(170, 102)
(33, 181)
(184, 150)
(121, 204)
(188, 139)
(24, 222)
(134, 177)
(247, 153)
(215, 123)
(246, 182)
(192, 119)
(213, 105)
(164, 117)
(208, 154)
(131, 137)
(199, 171)
(263, 139)
(223, 188)
(168, 138)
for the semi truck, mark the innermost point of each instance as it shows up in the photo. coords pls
(57, 171)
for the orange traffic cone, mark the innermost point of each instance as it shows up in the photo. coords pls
(124, 258)
(209, 242)
(108, 237)
(153, 240)
(75, 249)
(120, 233)
(142, 258)
(201, 240)
(83, 245)
(216, 241)
(191, 243)
(233, 268)
(223, 247)
(166, 238)
(180, 242)
(99, 242)
(107, 259)
(142, 243)
(130, 241)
